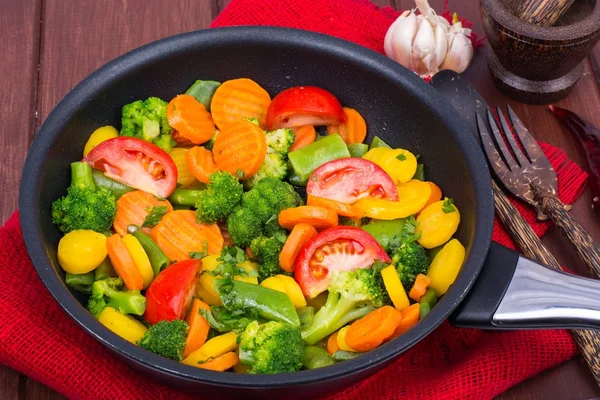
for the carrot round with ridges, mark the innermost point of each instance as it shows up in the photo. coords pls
(190, 118)
(240, 149)
(239, 99)
(134, 207)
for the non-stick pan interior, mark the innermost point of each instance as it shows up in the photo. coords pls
(396, 104)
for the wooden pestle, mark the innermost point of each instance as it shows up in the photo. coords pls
(542, 12)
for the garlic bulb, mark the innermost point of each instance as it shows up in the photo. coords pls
(460, 49)
(426, 43)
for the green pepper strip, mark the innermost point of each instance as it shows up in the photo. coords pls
(203, 91)
(424, 309)
(378, 142)
(305, 160)
(357, 149)
(268, 304)
(80, 282)
(420, 172)
(342, 355)
(316, 357)
(430, 297)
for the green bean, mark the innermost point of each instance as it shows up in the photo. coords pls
(378, 142)
(158, 259)
(184, 197)
(203, 91)
(420, 172)
(104, 270)
(342, 355)
(316, 357)
(80, 282)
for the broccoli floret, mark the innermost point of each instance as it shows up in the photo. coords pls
(147, 120)
(410, 259)
(271, 348)
(85, 206)
(352, 295)
(108, 293)
(166, 338)
(266, 251)
(280, 140)
(274, 166)
(268, 197)
(243, 226)
(221, 196)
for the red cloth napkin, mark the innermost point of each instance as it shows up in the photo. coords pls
(38, 339)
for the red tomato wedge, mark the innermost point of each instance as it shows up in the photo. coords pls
(342, 248)
(170, 294)
(136, 163)
(304, 105)
(348, 180)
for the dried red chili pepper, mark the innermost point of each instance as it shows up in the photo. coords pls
(588, 136)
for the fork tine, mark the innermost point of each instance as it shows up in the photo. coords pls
(512, 164)
(493, 156)
(532, 149)
(521, 158)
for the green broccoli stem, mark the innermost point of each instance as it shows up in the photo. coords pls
(337, 312)
(185, 197)
(80, 282)
(104, 270)
(81, 175)
(129, 302)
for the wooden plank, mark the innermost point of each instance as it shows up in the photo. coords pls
(221, 4)
(19, 29)
(73, 50)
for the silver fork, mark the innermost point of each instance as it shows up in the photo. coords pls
(528, 175)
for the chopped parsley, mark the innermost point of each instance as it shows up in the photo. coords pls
(154, 216)
(448, 205)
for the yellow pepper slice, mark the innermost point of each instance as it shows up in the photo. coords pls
(206, 297)
(80, 251)
(213, 348)
(437, 223)
(125, 326)
(98, 136)
(399, 164)
(394, 287)
(207, 281)
(413, 196)
(184, 176)
(286, 284)
(140, 259)
(341, 339)
(445, 266)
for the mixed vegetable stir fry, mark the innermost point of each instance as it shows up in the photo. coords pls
(187, 230)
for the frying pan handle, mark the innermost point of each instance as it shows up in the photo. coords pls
(513, 292)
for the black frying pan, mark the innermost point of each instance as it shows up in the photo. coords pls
(397, 105)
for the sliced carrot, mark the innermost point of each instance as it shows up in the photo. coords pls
(239, 99)
(220, 363)
(190, 118)
(419, 287)
(178, 234)
(435, 196)
(199, 328)
(134, 207)
(240, 149)
(318, 217)
(184, 175)
(332, 344)
(346, 210)
(201, 163)
(301, 233)
(123, 263)
(410, 317)
(180, 140)
(303, 136)
(354, 130)
(373, 329)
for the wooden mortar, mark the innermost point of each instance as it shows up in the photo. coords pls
(538, 64)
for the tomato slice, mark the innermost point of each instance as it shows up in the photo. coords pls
(304, 105)
(343, 248)
(136, 163)
(348, 180)
(170, 294)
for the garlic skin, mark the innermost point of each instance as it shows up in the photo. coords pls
(460, 49)
(427, 43)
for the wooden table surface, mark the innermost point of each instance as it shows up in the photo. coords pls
(50, 45)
